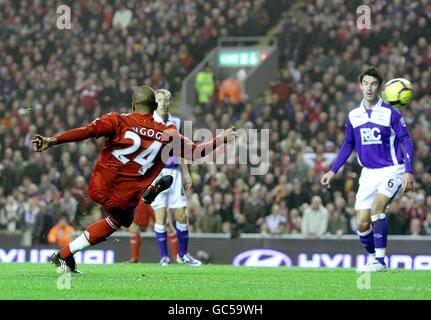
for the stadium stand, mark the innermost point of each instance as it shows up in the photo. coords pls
(52, 81)
(322, 55)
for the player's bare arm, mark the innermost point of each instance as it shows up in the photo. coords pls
(41, 143)
(327, 178)
(408, 182)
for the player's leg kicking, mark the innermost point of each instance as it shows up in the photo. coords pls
(102, 229)
(93, 234)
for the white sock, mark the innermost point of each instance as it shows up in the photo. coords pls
(380, 252)
(365, 233)
(79, 244)
(378, 216)
(182, 226)
(160, 228)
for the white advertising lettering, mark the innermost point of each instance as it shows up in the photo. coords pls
(371, 136)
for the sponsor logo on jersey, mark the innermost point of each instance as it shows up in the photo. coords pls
(371, 136)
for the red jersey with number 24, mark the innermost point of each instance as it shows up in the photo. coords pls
(132, 155)
(130, 159)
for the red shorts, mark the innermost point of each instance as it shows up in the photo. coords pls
(144, 214)
(113, 190)
(99, 191)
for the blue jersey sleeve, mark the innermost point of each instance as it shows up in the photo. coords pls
(399, 126)
(346, 148)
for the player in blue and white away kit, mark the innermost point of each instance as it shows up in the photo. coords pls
(175, 197)
(385, 150)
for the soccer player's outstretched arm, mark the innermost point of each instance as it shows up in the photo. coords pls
(104, 126)
(343, 154)
(187, 149)
(399, 127)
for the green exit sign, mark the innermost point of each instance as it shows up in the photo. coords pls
(247, 58)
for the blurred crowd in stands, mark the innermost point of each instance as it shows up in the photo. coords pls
(52, 80)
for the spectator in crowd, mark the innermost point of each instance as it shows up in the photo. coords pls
(80, 192)
(253, 212)
(61, 233)
(209, 222)
(276, 222)
(122, 17)
(10, 214)
(225, 212)
(30, 216)
(68, 206)
(294, 222)
(417, 209)
(49, 208)
(230, 90)
(337, 224)
(46, 185)
(315, 219)
(398, 216)
(415, 227)
(194, 210)
(205, 85)
(427, 224)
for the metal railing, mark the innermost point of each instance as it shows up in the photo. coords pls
(253, 41)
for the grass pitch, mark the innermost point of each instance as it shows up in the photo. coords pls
(210, 282)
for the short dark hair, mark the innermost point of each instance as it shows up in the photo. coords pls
(144, 95)
(372, 72)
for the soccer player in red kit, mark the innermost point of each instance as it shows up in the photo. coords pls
(132, 157)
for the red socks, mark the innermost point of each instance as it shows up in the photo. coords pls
(94, 234)
(65, 252)
(173, 244)
(135, 246)
(99, 231)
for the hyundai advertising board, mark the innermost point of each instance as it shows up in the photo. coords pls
(250, 252)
